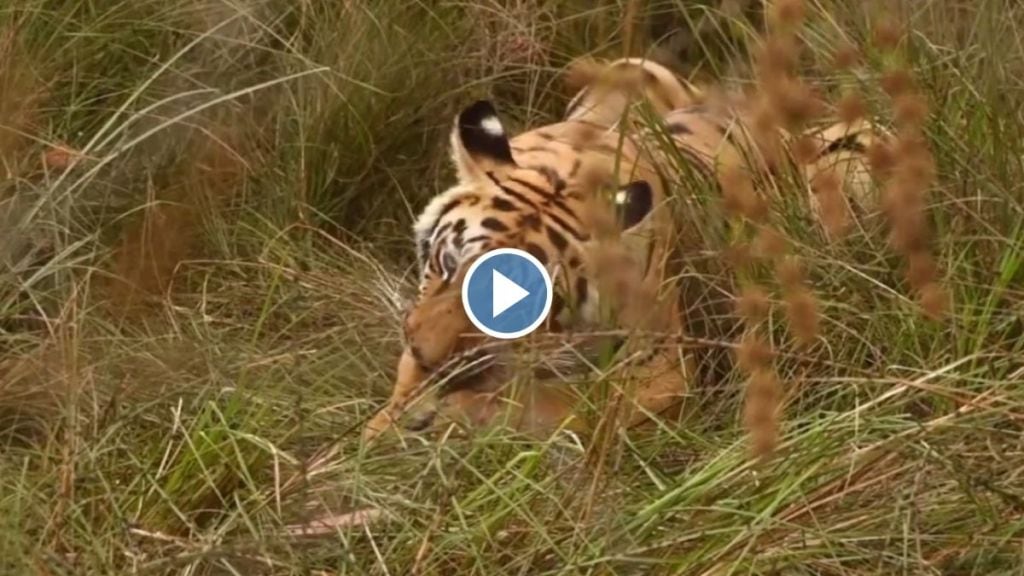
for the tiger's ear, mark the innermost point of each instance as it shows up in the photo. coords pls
(479, 142)
(633, 202)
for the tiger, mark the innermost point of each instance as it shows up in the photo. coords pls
(584, 196)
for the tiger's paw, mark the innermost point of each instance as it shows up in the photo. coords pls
(381, 422)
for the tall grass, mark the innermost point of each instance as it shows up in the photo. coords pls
(204, 210)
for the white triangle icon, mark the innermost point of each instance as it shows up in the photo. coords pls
(504, 293)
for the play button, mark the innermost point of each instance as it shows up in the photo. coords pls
(504, 293)
(507, 293)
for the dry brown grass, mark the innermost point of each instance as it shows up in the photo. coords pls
(23, 94)
(167, 232)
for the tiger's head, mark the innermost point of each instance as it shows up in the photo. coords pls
(522, 193)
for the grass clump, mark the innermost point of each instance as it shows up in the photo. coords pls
(204, 212)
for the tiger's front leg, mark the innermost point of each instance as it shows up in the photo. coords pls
(657, 373)
(650, 377)
(434, 330)
(656, 383)
(408, 380)
(654, 373)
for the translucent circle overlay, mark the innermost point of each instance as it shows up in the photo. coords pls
(527, 273)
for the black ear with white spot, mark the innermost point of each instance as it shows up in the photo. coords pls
(479, 141)
(482, 133)
(633, 202)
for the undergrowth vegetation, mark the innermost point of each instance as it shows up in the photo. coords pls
(205, 250)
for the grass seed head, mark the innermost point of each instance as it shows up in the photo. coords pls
(753, 353)
(763, 441)
(915, 163)
(921, 270)
(795, 103)
(908, 234)
(908, 230)
(738, 195)
(790, 274)
(910, 110)
(778, 57)
(770, 243)
(851, 108)
(753, 304)
(765, 119)
(788, 14)
(846, 57)
(765, 124)
(827, 188)
(888, 34)
(935, 301)
(897, 82)
(760, 411)
(881, 159)
(738, 256)
(764, 388)
(806, 150)
(802, 313)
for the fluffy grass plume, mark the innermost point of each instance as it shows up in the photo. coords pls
(205, 247)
